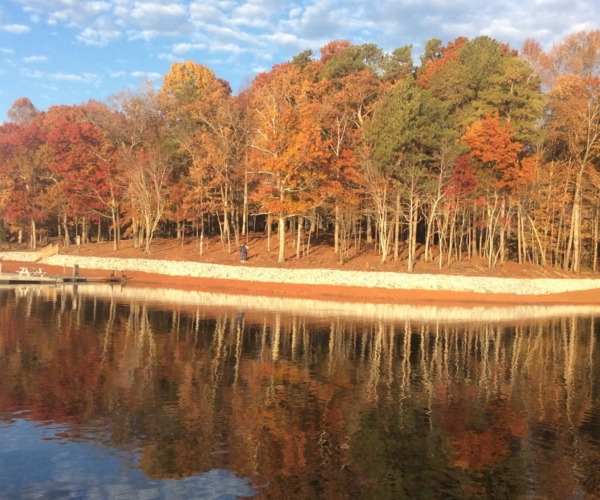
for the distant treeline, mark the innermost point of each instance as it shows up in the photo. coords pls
(480, 150)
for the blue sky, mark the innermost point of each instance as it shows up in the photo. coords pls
(68, 51)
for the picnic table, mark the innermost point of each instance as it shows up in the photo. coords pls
(24, 271)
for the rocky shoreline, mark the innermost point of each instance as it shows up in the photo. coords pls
(320, 277)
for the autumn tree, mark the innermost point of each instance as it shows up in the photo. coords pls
(346, 107)
(575, 127)
(146, 157)
(24, 175)
(209, 128)
(289, 148)
(491, 143)
(22, 112)
(80, 167)
(570, 70)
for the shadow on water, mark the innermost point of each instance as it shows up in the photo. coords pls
(170, 394)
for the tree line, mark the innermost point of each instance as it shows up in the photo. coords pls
(479, 151)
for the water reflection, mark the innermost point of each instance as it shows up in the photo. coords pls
(371, 401)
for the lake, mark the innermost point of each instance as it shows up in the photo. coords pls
(109, 392)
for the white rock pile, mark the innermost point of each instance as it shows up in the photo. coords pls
(388, 280)
(19, 256)
(424, 313)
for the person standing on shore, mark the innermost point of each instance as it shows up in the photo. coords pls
(244, 253)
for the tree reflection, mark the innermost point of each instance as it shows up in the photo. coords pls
(313, 408)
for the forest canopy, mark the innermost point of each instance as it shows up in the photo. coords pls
(480, 151)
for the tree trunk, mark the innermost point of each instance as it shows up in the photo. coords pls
(311, 230)
(519, 229)
(115, 223)
(397, 228)
(135, 232)
(473, 251)
(451, 238)
(596, 236)
(269, 233)
(577, 237)
(281, 230)
(299, 240)
(33, 236)
(245, 212)
(502, 231)
(118, 228)
(369, 230)
(336, 233)
(573, 243)
(462, 236)
(412, 226)
(66, 229)
(236, 227)
(227, 228)
(148, 236)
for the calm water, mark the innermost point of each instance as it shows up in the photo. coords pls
(108, 393)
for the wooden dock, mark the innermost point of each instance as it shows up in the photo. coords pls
(54, 279)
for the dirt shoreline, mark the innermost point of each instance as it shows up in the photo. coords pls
(331, 292)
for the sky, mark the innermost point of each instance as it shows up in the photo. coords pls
(69, 51)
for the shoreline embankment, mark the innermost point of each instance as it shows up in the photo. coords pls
(328, 284)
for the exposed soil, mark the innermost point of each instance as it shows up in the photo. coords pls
(322, 257)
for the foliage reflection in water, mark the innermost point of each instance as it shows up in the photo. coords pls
(117, 396)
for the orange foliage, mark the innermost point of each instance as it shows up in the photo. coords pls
(449, 53)
(492, 143)
(290, 149)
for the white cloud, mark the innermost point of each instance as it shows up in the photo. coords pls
(208, 11)
(150, 34)
(34, 59)
(148, 74)
(142, 11)
(252, 15)
(226, 47)
(45, 86)
(247, 36)
(180, 48)
(169, 57)
(157, 17)
(102, 33)
(225, 34)
(88, 78)
(394, 22)
(68, 77)
(287, 40)
(15, 29)
(77, 13)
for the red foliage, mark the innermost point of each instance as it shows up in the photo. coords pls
(463, 184)
(332, 49)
